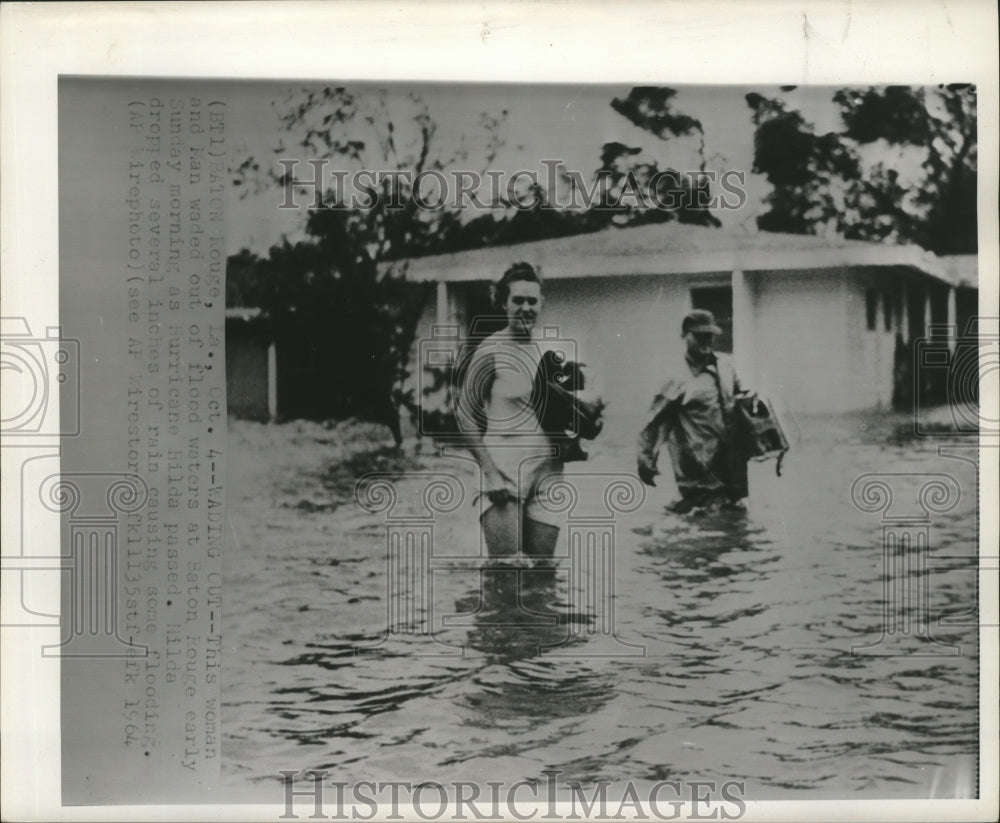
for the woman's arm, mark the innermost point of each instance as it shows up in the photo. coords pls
(470, 414)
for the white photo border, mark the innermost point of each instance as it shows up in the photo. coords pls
(768, 41)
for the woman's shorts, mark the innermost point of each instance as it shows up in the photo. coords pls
(531, 470)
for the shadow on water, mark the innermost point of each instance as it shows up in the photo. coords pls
(510, 622)
(516, 617)
(513, 614)
(699, 545)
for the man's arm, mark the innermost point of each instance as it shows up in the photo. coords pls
(739, 389)
(655, 432)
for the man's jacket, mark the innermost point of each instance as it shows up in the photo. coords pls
(692, 413)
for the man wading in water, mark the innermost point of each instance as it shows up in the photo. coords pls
(693, 415)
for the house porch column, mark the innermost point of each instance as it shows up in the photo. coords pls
(744, 339)
(903, 313)
(925, 331)
(442, 303)
(272, 382)
(952, 319)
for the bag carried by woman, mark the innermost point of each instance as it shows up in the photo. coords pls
(561, 412)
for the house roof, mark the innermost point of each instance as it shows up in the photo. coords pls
(962, 269)
(244, 313)
(672, 248)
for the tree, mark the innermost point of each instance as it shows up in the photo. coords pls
(901, 169)
(343, 313)
(343, 332)
(633, 189)
(942, 123)
(338, 299)
(841, 181)
(636, 192)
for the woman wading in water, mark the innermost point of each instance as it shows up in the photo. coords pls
(497, 413)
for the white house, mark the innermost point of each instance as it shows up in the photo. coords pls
(812, 322)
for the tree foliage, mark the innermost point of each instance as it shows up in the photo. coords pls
(343, 315)
(634, 188)
(649, 107)
(338, 302)
(853, 182)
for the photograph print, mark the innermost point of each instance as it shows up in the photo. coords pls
(602, 450)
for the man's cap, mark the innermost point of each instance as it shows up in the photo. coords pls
(700, 321)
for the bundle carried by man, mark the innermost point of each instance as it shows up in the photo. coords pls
(757, 431)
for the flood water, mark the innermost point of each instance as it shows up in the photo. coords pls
(723, 650)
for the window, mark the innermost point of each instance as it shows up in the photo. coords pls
(887, 310)
(719, 301)
(871, 308)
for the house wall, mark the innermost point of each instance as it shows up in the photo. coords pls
(620, 327)
(871, 351)
(809, 347)
(246, 371)
(800, 350)
(625, 328)
(425, 343)
(806, 345)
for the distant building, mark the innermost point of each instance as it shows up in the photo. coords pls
(821, 325)
(251, 365)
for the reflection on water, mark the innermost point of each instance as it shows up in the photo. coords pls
(512, 614)
(516, 619)
(745, 624)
